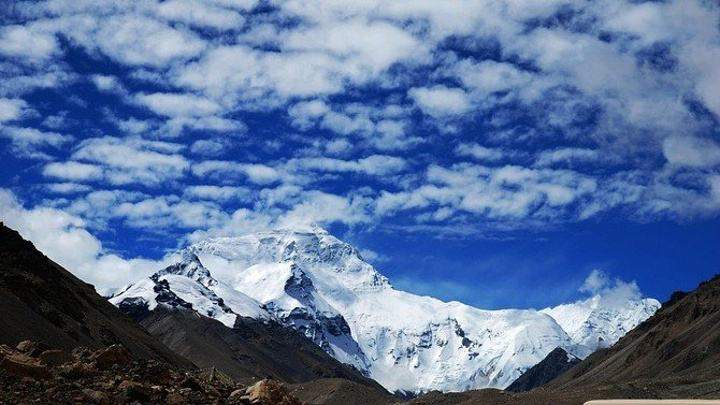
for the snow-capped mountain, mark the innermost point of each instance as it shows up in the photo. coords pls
(321, 286)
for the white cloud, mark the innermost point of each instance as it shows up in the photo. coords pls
(11, 109)
(690, 151)
(566, 155)
(489, 77)
(133, 160)
(378, 165)
(28, 142)
(64, 238)
(497, 193)
(612, 293)
(200, 14)
(368, 47)
(177, 125)
(108, 83)
(596, 281)
(67, 188)
(178, 105)
(233, 73)
(136, 40)
(480, 152)
(323, 208)
(440, 101)
(73, 171)
(256, 173)
(169, 212)
(217, 193)
(207, 147)
(27, 41)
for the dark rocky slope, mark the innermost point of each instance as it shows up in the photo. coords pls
(337, 391)
(251, 350)
(41, 301)
(555, 363)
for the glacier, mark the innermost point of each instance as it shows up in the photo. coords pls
(313, 282)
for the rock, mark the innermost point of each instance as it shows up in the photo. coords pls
(134, 391)
(106, 358)
(193, 384)
(25, 346)
(269, 392)
(81, 353)
(53, 358)
(23, 365)
(77, 370)
(96, 397)
(175, 398)
(237, 393)
(32, 348)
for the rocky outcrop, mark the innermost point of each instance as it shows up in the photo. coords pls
(554, 364)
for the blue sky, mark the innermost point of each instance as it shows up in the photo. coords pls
(493, 152)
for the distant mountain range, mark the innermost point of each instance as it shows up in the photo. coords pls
(287, 305)
(674, 354)
(322, 287)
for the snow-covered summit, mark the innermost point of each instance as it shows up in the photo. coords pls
(189, 283)
(321, 286)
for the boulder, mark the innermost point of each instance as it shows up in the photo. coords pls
(77, 370)
(22, 365)
(106, 358)
(267, 392)
(31, 348)
(134, 391)
(54, 358)
(95, 397)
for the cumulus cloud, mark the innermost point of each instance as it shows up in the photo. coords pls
(557, 119)
(496, 192)
(29, 42)
(200, 14)
(11, 109)
(218, 193)
(440, 101)
(178, 105)
(480, 152)
(122, 161)
(613, 292)
(690, 151)
(73, 171)
(566, 155)
(137, 40)
(32, 142)
(108, 83)
(371, 165)
(256, 173)
(320, 208)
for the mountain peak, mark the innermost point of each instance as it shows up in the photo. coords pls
(315, 283)
(191, 267)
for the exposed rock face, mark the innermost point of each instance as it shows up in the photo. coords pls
(556, 363)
